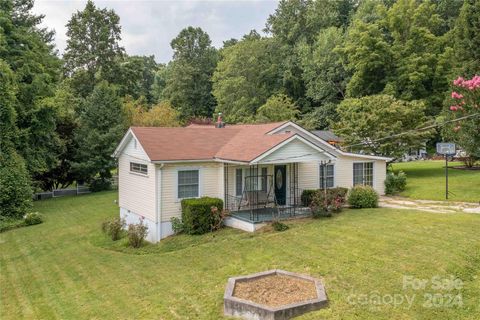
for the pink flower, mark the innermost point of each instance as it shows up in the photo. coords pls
(456, 128)
(458, 81)
(453, 108)
(456, 95)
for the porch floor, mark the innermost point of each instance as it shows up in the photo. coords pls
(261, 215)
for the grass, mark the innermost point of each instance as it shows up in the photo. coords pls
(426, 180)
(66, 268)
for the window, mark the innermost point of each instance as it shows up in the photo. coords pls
(363, 173)
(327, 173)
(188, 184)
(238, 182)
(138, 168)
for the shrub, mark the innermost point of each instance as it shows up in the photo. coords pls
(279, 226)
(32, 218)
(177, 225)
(114, 227)
(136, 234)
(363, 197)
(197, 215)
(325, 203)
(395, 183)
(306, 197)
(16, 193)
(99, 184)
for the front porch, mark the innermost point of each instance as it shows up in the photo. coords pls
(257, 194)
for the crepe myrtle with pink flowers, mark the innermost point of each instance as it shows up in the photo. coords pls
(465, 102)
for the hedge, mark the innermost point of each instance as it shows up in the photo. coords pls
(197, 215)
(363, 197)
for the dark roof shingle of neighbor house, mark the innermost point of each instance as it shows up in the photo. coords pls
(327, 135)
(202, 142)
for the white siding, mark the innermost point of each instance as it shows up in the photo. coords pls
(210, 185)
(135, 150)
(294, 151)
(308, 175)
(136, 192)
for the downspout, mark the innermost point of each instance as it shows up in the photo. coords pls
(158, 205)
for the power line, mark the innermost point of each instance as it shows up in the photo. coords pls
(414, 130)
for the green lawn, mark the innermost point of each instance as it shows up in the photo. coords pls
(66, 269)
(426, 180)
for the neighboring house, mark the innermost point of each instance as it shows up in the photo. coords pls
(258, 170)
(329, 136)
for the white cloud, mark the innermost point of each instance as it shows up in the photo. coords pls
(149, 26)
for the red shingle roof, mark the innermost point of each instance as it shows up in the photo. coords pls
(200, 142)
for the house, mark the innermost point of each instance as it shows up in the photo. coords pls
(329, 136)
(259, 170)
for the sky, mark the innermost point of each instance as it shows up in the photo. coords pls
(148, 26)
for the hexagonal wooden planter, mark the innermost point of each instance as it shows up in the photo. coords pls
(246, 309)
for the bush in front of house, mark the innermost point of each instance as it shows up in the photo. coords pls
(137, 234)
(198, 215)
(363, 197)
(395, 183)
(33, 218)
(307, 196)
(177, 225)
(279, 226)
(325, 203)
(114, 228)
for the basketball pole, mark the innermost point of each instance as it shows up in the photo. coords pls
(446, 177)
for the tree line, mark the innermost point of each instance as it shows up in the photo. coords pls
(366, 69)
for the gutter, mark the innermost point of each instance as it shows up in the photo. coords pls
(158, 205)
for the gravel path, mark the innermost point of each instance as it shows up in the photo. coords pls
(429, 205)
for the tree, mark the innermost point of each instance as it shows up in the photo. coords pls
(320, 117)
(277, 108)
(160, 115)
(369, 58)
(188, 86)
(159, 83)
(29, 52)
(136, 77)
(465, 102)
(101, 126)
(381, 124)
(323, 67)
(16, 193)
(246, 77)
(92, 46)
(66, 105)
(467, 39)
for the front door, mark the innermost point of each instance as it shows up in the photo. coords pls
(281, 184)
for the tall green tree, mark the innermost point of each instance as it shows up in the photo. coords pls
(28, 50)
(16, 193)
(373, 123)
(93, 47)
(467, 39)
(189, 86)
(101, 126)
(246, 76)
(66, 104)
(136, 77)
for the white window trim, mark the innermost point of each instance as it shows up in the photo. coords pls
(137, 173)
(200, 182)
(373, 173)
(334, 175)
